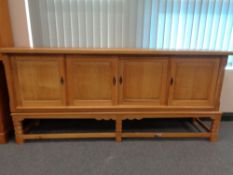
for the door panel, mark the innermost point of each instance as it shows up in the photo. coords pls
(143, 80)
(92, 80)
(194, 81)
(38, 80)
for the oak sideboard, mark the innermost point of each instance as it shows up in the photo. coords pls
(116, 85)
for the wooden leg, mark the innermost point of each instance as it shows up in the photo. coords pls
(215, 127)
(118, 130)
(18, 130)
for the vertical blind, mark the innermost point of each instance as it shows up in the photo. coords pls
(165, 24)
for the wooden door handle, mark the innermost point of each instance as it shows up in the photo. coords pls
(171, 81)
(114, 81)
(62, 80)
(120, 80)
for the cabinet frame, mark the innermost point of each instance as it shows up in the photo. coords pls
(116, 104)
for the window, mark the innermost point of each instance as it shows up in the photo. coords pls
(167, 24)
(230, 63)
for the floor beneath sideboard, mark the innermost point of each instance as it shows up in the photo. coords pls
(130, 157)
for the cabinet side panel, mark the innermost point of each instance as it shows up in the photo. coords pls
(221, 73)
(7, 61)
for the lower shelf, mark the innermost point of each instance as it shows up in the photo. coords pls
(41, 126)
(118, 128)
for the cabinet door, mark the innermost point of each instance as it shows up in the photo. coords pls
(193, 81)
(38, 80)
(92, 80)
(143, 81)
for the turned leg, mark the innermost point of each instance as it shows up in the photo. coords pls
(18, 126)
(215, 127)
(118, 130)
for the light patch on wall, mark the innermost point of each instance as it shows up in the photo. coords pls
(28, 23)
(230, 63)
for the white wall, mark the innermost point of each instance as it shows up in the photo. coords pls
(227, 92)
(21, 39)
(19, 23)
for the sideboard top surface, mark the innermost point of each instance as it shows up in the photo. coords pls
(110, 51)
